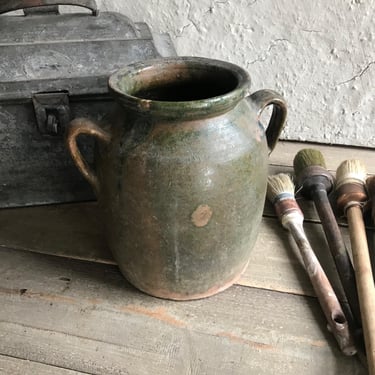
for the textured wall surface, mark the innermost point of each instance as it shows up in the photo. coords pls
(319, 54)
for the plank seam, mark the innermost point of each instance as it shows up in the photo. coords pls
(43, 363)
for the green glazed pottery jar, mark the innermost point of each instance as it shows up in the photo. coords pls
(181, 172)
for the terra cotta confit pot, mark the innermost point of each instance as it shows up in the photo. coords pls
(181, 172)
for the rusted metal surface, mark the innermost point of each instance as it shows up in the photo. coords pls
(69, 55)
(52, 112)
(181, 174)
(351, 194)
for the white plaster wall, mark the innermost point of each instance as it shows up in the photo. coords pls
(319, 54)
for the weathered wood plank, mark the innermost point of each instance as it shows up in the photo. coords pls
(71, 229)
(285, 151)
(276, 264)
(74, 231)
(78, 226)
(85, 317)
(18, 366)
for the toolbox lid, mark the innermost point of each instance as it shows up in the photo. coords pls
(73, 52)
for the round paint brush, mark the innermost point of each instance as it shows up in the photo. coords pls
(315, 183)
(280, 191)
(351, 196)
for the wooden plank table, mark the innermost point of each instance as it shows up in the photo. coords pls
(66, 309)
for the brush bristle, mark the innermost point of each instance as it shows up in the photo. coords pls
(351, 171)
(306, 158)
(279, 184)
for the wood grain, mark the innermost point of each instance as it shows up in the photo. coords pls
(74, 231)
(285, 151)
(85, 317)
(18, 366)
(64, 315)
(365, 280)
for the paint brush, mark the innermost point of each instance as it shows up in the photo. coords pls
(280, 191)
(351, 196)
(315, 183)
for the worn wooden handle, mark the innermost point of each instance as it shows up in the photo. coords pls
(338, 250)
(365, 280)
(84, 126)
(336, 319)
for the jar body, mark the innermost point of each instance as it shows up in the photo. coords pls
(181, 172)
(182, 200)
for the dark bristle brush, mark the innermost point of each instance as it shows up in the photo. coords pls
(315, 183)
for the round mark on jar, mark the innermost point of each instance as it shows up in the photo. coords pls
(201, 216)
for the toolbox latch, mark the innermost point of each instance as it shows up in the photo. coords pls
(52, 112)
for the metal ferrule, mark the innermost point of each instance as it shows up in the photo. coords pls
(351, 194)
(286, 207)
(312, 176)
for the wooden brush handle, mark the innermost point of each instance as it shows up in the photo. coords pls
(338, 250)
(329, 303)
(365, 280)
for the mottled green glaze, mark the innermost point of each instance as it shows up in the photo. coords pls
(182, 183)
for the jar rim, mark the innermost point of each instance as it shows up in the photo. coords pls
(157, 86)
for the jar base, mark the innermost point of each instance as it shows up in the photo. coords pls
(164, 294)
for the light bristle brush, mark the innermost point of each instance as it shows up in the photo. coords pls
(280, 191)
(351, 197)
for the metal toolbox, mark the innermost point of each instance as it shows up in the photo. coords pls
(54, 67)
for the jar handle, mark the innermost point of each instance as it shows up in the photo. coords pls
(264, 98)
(74, 129)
